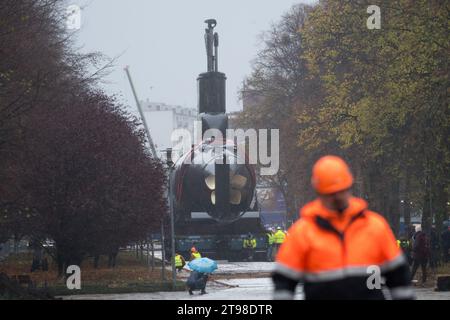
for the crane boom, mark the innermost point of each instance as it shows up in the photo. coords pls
(147, 131)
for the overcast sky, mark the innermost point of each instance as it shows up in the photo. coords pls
(162, 42)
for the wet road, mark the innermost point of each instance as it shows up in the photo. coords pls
(228, 287)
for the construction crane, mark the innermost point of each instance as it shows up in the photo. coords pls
(169, 157)
(147, 131)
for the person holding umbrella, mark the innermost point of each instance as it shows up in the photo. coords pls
(201, 268)
(197, 281)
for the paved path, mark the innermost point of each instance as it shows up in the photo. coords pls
(243, 289)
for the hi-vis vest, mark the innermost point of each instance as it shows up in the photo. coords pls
(250, 243)
(404, 244)
(270, 237)
(196, 255)
(333, 255)
(178, 261)
(279, 237)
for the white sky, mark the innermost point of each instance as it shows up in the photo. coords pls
(162, 42)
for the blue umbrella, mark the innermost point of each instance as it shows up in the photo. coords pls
(203, 265)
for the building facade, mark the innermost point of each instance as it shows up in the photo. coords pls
(163, 119)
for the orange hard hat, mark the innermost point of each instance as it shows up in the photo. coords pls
(331, 174)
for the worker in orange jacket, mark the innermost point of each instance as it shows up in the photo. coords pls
(338, 248)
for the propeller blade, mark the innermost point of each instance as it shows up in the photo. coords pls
(238, 181)
(235, 197)
(213, 198)
(211, 182)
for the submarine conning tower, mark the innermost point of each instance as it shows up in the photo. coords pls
(211, 85)
(212, 107)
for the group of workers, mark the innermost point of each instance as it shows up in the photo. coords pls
(274, 239)
(196, 280)
(180, 262)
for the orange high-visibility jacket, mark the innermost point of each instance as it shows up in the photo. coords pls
(334, 254)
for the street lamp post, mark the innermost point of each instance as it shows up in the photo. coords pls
(172, 218)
